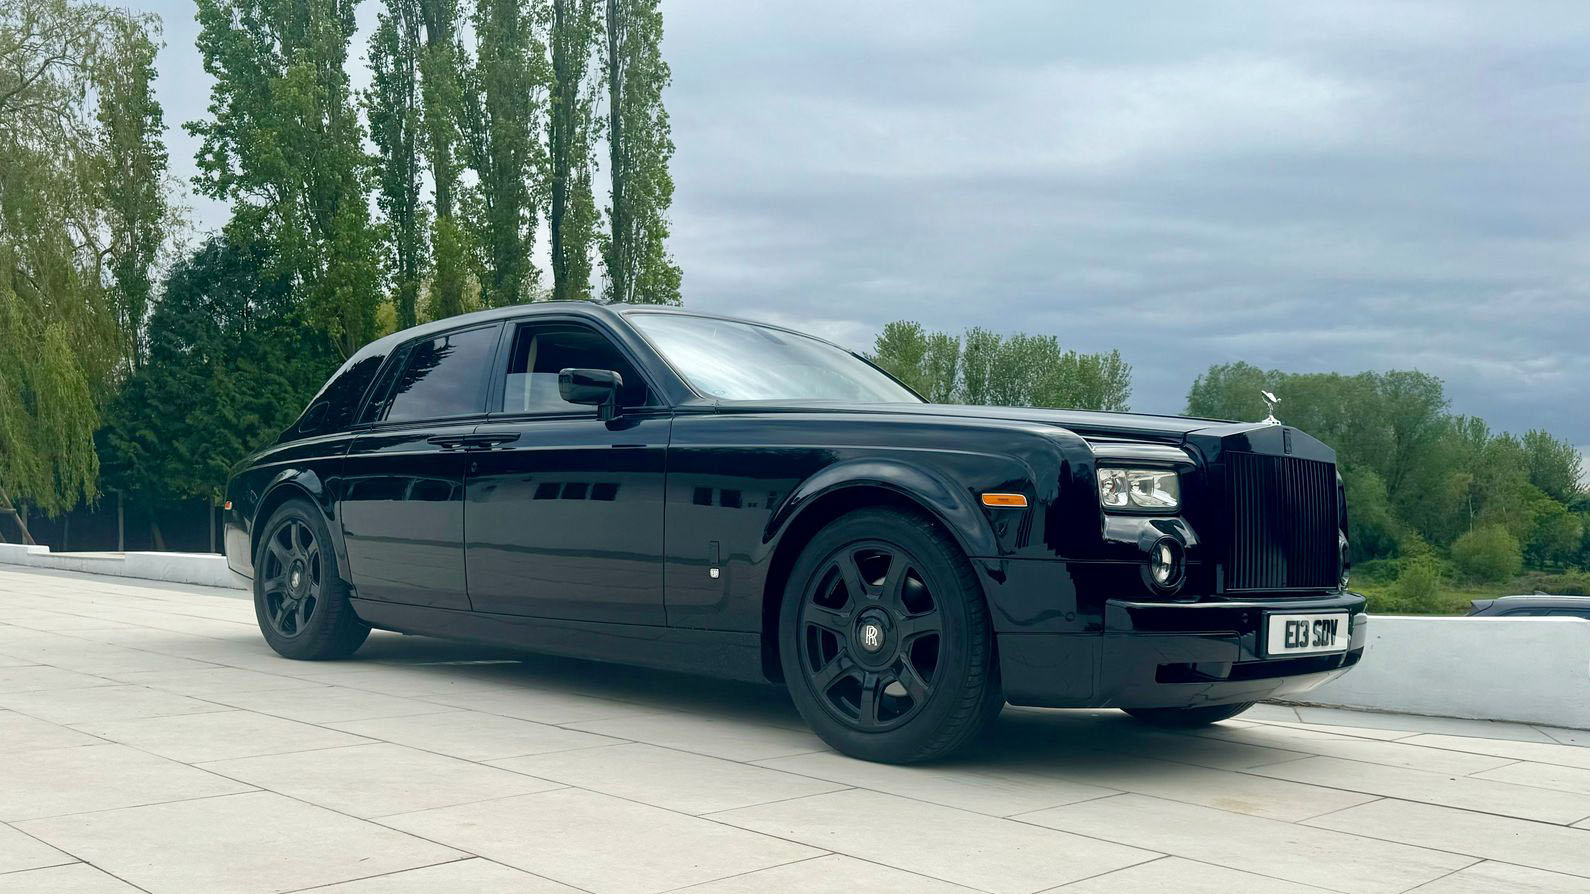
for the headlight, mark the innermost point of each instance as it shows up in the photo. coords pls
(1139, 489)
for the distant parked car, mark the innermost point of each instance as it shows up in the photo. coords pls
(1533, 606)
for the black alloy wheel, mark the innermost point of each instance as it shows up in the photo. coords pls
(300, 599)
(870, 634)
(884, 639)
(292, 578)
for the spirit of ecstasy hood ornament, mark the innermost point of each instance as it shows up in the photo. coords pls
(1271, 400)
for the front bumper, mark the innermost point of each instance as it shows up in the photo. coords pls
(1172, 655)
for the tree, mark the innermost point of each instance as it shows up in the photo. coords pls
(571, 210)
(1555, 466)
(76, 113)
(441, 85)
(283, 144)
(503, 97)
(1019, 370)
(230, 366)
(640, 145)
(393, 106)
(1488, 554)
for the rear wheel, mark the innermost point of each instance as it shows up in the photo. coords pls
(1184, 718)
(300, 600)
(885, 641)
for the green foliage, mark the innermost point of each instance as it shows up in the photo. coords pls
(230, 366)
(640, 145)
(82, 218)
(441, 93)
(988, 369)
(1567, 583)
(1488, 553)
(572, 217)
(283, 143)
(1418, 587)
(1555, 466)
(393, 106)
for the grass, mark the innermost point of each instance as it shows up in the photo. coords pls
(1450, 599)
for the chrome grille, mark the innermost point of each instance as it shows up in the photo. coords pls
(1283, 523)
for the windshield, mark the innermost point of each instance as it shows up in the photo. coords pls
(743, 361)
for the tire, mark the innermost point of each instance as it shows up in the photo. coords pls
(300, 599)
(1187, 718)
(926, 682)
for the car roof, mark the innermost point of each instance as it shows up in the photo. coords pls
(1542, 599)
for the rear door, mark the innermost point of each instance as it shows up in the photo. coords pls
(564, 512)
(403, 489)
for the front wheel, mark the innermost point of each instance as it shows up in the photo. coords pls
(885, 642)
(1186, 718)
(300, 600)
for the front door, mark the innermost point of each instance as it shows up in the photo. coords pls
(564, 512)
(402, 505)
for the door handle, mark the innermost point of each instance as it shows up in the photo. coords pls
(488, 441)
(448, 442)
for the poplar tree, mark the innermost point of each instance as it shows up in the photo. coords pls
(504, 96)
(393, 106)
(441, 61)
(640, 146)
(283, 144)
(571, 208)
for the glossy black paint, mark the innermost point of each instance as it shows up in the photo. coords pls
(663, 536)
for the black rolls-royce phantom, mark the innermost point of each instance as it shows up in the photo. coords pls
(692, 492)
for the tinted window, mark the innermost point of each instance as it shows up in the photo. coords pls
(542, 350)
(442, 376)
(333, 408)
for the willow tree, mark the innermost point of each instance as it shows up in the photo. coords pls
(283, 144)
(571, 208)
(640, 146)
(393, 106)
(79, 183)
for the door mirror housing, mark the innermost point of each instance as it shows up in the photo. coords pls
(593, 387)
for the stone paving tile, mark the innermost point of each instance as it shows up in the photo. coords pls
(1547, 776)
(599, 843)
(1325, 859)
(982, 790)
(1508, 840)
(540, 706)
(1490, 729)
(19, 852)
(240, 844)
(377, 779)
(1494, 878)
(731, 740)
(473, 876)
(35, 677)
(210, 682)
(830, 874)
(472, 735)
(1371, 751)
(1467, 793)
(19, 732)
(218, 735)
(991, 854)
(68, 706)
(325, 704)
(55, 781)
(1184, 877)
(75, 878)
(676, 780)
(1539, 752)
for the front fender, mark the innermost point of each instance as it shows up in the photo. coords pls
(952, 505)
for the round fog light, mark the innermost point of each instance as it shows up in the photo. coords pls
(1164, 563)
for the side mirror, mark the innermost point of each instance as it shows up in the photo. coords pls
(594, 387)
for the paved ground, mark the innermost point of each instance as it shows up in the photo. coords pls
(151, 742)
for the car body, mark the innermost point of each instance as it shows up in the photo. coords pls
(1537, 605)
(663, 527)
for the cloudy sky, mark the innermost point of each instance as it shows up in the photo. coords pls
(1337, 186)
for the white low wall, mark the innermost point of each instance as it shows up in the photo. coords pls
(206, 569)
(1529, 670)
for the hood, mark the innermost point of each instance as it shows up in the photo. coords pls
(1132, 426)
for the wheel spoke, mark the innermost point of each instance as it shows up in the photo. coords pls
(919, 625)
(280, 554)
(306, 605)
(274, 584)
(850, 573)
(894, 583)
(279, 616)
(830, 673)
(915, 686)
(837, 622)
(867, 704)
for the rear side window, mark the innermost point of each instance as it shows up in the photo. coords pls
(442, 376)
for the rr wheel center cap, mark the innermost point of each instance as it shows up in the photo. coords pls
(295, 578)
(874, 639)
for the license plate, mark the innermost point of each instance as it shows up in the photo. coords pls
(1305, 634)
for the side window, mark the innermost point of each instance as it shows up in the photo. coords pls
(441, 377)
(541, 350)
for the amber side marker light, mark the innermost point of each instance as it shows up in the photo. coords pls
(1005, 501)
(227, 505)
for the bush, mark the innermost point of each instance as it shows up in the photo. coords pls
(1569, 583)
(1489, 554)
